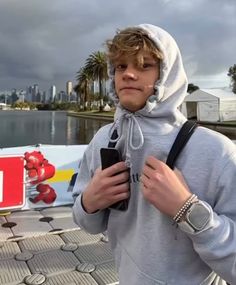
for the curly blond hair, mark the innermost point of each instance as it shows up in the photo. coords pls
(128, 43)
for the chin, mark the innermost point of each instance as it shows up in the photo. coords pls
(130, 108)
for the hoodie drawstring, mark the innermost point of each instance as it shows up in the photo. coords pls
(132, 125)
(132, 121)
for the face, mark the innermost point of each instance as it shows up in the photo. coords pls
(133, 83)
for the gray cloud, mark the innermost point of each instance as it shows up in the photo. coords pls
(46, 42)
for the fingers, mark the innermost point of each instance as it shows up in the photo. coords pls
(145, 180)
(120, 178)
(114, 175)
(119, 192)
(118, 189)
(152, 168)
(147, 171)
(153, 162)
(156, 164)
(106, 187)
(121, 196)
(114, 169)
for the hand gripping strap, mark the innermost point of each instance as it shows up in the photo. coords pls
(182, 138)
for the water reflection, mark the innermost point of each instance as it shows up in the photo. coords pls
(18, 128)
(52, 126)
(87, 128)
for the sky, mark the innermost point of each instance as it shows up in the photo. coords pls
(46, 42)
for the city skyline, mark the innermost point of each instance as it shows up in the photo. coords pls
(34, 94)
(47, 44)
(24, 89)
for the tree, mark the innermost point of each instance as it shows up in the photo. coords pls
(192, 88)
(96, 67)
(14, 97)
(82, 87)
(232, 75)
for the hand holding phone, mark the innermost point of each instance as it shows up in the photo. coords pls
(110, 156)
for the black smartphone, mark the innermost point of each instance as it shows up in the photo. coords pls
(110, 156)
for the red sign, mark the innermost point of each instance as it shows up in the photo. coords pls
(12, 187)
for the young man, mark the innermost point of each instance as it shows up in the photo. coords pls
(175, 231)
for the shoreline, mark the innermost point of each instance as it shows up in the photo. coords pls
(109, 116)
(92, 115)
(226, 128)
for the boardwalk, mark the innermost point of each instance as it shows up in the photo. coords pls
(47, 247)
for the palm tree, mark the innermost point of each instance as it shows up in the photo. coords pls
(82, 87)
(78, 91)
(232, 75)
(192, 88)
(96, 67)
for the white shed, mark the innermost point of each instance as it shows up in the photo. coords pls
(3, 106)
(210, 105)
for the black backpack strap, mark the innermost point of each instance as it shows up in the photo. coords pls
(113, 137)
(182, 138)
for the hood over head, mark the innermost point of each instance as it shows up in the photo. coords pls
(162, 106)
(171, 88)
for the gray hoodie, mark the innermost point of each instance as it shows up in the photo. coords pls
(148, 248)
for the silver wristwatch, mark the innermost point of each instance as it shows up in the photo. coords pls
(196, 218)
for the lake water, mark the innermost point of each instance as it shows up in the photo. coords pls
(18, 128)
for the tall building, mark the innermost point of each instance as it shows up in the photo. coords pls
(62, 96)
(69, 88)
(35, 91)
(29, 94)
(44, 97)
(22, 95)
(52, 93)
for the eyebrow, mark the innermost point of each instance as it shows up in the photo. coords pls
(144, 58)
(149, 58)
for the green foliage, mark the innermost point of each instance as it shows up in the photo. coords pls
(32, 105)
(95, 69)
(2, 98)
(232, 75)
(192, 88)
(14, 97)
(24, 105)
(82, 88)
(56, 106)
(20, 105)
(96, 66)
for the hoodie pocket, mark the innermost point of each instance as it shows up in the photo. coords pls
(129, 273)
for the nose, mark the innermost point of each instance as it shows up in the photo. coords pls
(130, 73)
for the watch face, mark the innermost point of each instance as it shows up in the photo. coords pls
(198, 216)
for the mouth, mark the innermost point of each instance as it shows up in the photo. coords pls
(130, 88)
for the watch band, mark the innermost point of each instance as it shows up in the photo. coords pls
(182, 211)
(196, 218)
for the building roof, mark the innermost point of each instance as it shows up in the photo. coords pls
(210, 95)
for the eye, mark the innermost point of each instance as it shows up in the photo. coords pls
(148, 65)
(121, 66)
